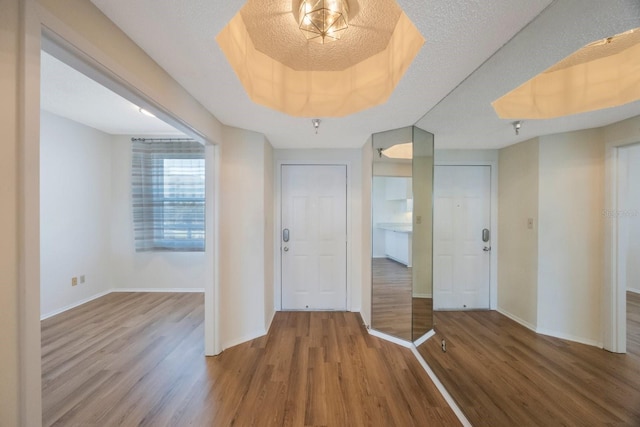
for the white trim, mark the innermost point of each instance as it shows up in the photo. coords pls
(424, 338)
(635, 291)
(117, 290)
(443, 391)
(169, 290)
(614, 295)
(212, 278)
(390, 338)
(493, 269)
(422, 295)
(74, 305)
(518, 320)
(278, 224)
(244, 339)
(568, 337)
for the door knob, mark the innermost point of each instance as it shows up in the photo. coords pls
(286, 249)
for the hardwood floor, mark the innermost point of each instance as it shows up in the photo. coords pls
(502, 374)
(391, 298)
(137, 359)
(633, 323)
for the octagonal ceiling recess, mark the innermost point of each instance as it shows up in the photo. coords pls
(280, 69)
(602, 74)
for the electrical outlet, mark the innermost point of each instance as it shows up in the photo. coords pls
(82, 279)
(74, 281)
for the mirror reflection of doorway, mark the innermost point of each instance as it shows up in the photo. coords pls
(392, 208)
(402, 186)
(462, 257)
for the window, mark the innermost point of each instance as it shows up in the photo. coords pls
(168, 195)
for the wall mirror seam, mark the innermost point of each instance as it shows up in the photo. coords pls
(402, 233)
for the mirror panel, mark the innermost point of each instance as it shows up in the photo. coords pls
(402, 232)
(422, 171)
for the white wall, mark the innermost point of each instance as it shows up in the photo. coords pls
(366, 161)
(269, 234)
(571, 235)
(631, 214)
(131, 270)
(356, 249)
(518, 245)
(243, 233)
(75, 188)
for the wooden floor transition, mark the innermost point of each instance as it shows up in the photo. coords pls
(502, 374)
(131, 359)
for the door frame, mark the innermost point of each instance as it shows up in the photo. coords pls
(614, 293)
(493, 267)
(278, 226)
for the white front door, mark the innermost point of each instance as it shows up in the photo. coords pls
(461, 259)
(313, 237)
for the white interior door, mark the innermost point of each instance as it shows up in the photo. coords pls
(313, 237)
(461, 259)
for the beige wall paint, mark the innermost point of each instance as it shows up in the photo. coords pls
(9, 304)
(570, 235)
(518, 245)
(269, 233)
(243, 231)
(366, 154)
(632, 216)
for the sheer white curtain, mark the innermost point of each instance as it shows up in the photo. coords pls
(168, 194)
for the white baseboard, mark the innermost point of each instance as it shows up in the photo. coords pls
(443, 391)
(101, 294)
(424, 338)
(550, 333)
(74, 305)
(569, 337)
(634, 290)
(243, 339)
(417, 295)
(390, 338)
(517, 320)
(171, 290)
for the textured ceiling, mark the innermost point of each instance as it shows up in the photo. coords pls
(317, 93)
(274, 31)
(68, 93)
(476, 51)
(466, 119)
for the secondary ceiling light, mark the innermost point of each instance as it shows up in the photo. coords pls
(399, 151)
(323, 21)
(603, 74)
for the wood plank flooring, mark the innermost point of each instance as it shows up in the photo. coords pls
(391, 298)
(502, 374)
(138, 359)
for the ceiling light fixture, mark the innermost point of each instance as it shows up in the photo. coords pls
(316, 124)
(516, 126)
(323, 21)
